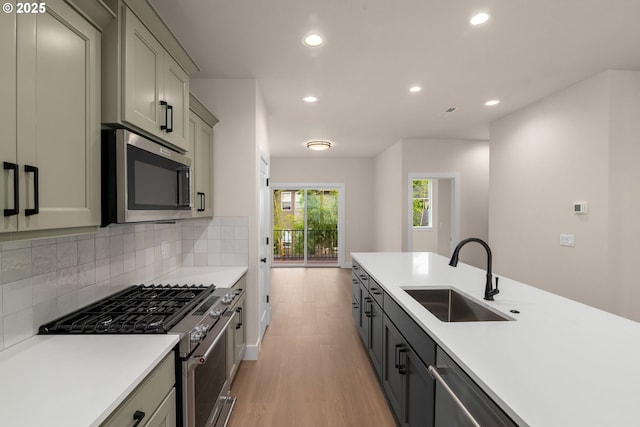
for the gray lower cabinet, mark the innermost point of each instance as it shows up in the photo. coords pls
(236, 332)
(355, 301)
(402, 354)
(374, 344)
(406, 380)
(152, 403)
(370, 327)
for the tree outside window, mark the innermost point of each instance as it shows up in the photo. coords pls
(422, 203)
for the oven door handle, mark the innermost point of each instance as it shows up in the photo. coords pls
(201, 359)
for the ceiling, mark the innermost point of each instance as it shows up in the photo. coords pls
(376, 49)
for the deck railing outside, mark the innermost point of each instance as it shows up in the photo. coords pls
(288, 246)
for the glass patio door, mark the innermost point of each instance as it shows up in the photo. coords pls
(305, 227)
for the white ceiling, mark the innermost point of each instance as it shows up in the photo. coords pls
(376, 49)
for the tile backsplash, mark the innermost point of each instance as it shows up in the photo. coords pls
(46, 278)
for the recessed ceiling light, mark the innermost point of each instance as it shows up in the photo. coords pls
(415, 89)
(479, 18)
(313, 40)
(492, 102)
(310, 98)
(319, 145)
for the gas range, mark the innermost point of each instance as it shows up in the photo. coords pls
(186, 310)
(200, 315)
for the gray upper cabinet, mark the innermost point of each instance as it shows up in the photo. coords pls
(200, 151)
(50, 120)
(144, 87)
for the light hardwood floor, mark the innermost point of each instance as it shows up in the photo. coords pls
(313, 370)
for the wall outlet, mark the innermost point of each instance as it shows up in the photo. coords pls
(567, 240)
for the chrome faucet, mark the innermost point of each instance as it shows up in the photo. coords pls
(489, 290)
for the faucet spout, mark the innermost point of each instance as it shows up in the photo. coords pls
(489, 290)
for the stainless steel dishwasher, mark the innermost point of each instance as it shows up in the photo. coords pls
(459, 400)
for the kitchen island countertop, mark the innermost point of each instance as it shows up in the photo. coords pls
(558, 363)
(74, 380)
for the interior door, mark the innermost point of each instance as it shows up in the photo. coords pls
(264, 231)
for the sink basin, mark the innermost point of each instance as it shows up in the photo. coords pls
(451, 306)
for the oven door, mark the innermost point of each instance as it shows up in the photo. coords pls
(206, 400)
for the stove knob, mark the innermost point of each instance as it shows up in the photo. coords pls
(225, 300)
(215, 313)
(203, 328)
(196, 336)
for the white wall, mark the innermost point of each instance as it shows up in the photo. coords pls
(468, 159)
(445, 189)
(624, 185)
(387, 210)
(238, 138)
(580, 144)
(357, 176)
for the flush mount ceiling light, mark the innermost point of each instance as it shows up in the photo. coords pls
(318, 145)
(492, 102)
(479, 18)
(415, 89)
(313, 40)
(310, 98)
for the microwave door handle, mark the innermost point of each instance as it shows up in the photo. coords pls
(181, 200)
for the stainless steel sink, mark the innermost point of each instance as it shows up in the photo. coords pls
(451, 306)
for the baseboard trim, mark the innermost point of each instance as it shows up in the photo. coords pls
(252, 352)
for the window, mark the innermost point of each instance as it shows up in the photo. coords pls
(285, 200)
(422, 203)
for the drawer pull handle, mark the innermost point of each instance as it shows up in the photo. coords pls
(137, 417)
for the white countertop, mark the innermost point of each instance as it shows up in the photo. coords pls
(78, 380)
(74, 380)
(221, 277)
(559, 363)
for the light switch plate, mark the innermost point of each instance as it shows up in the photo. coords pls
(567, 240)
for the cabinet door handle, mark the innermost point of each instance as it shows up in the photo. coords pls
(202, 201)
(402, 367)
(395, 356)
(239, 311)
(436, 375)
(137, 417)
(16, 189)
(170, 108)
(367, 301)
(36, 193)
(166, 115)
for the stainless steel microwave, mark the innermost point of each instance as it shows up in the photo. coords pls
(142, 180)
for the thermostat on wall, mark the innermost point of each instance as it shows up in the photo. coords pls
(580, 208)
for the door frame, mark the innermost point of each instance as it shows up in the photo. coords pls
(264, 233)
(341, 216)
(455, 203)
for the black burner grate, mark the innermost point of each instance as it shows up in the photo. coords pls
(139, 309)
